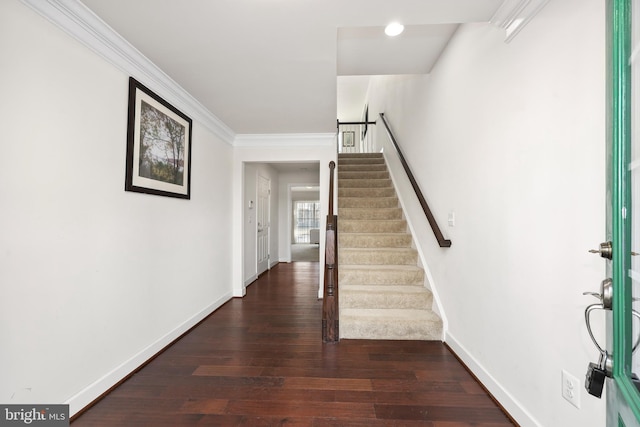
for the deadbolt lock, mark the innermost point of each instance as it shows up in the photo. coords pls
(605, 251)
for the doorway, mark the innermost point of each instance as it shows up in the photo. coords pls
(305, 225)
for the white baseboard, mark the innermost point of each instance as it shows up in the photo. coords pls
(84, 397)
(249, 281)
(508, 402)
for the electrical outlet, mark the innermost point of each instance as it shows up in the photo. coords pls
(571, 389)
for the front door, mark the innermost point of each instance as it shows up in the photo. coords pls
(263, 223)
(623, 190)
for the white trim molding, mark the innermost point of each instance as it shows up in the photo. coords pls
(82, 24)
(247, 282)
(514, 15)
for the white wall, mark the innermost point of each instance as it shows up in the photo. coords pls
(512, 138)
(94, 280)
(305, 196)
(276, 148)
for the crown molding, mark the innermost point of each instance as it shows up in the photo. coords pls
(299, 140)
(514, 15)
(82, 24)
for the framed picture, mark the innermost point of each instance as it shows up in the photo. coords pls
(348, 138)
(158, 145)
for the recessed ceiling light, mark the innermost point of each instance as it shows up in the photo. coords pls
(394, 29)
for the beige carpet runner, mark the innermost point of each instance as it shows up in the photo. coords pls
(382, 292)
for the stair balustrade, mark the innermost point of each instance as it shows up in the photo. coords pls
(355, 137)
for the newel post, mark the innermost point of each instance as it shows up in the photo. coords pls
(330, 312)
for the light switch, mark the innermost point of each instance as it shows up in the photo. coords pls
(451, 220)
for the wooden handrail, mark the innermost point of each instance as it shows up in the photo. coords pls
(444, 243)
(332, 168)
(330, 312)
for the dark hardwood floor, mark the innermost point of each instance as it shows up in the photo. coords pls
(260, 361)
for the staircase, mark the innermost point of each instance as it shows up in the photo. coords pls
(382, 292)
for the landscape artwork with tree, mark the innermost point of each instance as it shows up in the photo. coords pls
(158, 145)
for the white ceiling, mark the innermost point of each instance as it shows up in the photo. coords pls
(271, 66)
(368, 51)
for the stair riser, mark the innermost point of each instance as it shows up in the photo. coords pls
(363, 175)
(380, 277)
(368, 202)
(369, 214)
(355, 257)
(384, 300)
(364, 183)
(361, 161)
(359, 258)
(358, 240)
(390, 330)
(362, 168)
(359, 155)
(356, 226)
(366, 192)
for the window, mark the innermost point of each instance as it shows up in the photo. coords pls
(306, 216)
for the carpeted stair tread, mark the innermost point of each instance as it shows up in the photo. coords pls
(377, 313)
(363, 274)
(381, 296)
(365, 174)
(364, 183)
(349, 159)
(361, 167)
(362, 161)
(390, 324)
(359, 155)
(368, 202)
(366, 192)
(373, 213)
(372, 226)
(378, 256)
(381, 267)
(366, 240)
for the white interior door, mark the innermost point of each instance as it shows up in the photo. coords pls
(263, 223)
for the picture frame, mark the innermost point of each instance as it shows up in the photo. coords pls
(158, 145)
(348, 138)
(365, 119)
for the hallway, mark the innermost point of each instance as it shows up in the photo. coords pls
(260, 361)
